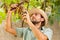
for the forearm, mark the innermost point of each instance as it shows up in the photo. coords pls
(8, 26)
(8, 20)
(38, 34)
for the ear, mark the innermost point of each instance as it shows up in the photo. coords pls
(42, 19)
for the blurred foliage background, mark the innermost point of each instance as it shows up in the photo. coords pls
(51, 7)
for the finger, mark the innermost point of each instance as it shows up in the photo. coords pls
(25, 21)
(14, 5)
(24, 18)
(23, 13)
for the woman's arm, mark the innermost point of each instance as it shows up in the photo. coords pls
(8, 27)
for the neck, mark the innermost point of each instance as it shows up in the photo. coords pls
(38, 25)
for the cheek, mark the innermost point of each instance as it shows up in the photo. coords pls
(38, 17)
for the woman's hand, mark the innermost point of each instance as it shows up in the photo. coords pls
(25, 16)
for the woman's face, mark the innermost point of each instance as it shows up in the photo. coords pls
(35, 18)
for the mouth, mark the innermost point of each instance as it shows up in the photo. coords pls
(35, 22)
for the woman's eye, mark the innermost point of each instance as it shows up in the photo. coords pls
(35, 14)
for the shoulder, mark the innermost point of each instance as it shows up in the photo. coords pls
(21, 28)
(47, 29)
(48, 32)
